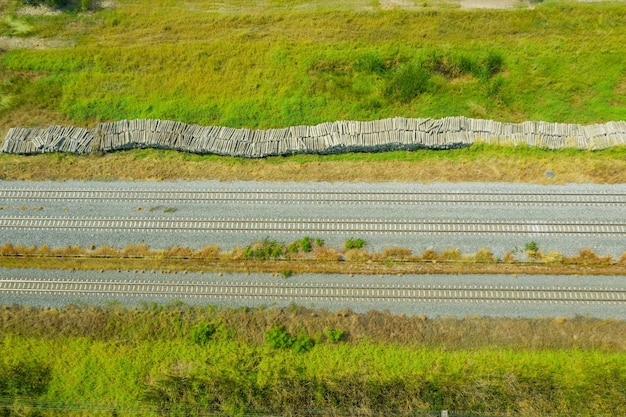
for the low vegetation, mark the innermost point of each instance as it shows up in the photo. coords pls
(309, 255)
(275, 64)
(262, 64)
(479, 162)
(182, 360)
(269, 64)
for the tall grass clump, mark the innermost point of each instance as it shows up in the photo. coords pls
(407, 82)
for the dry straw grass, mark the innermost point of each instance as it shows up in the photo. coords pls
(321, 259)
(491, 164)
(248, 325)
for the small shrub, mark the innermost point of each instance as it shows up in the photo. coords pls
(532, 250)
(265, 249)
(484, 256)
(587, 256)
(553, 258)
(208, 252)
(201, 333)
(278, 338)
(7, 250)
(44, 250)
(370, 63)
(450, 255)
(286, 273)
(322, 253)
(357, 255)
(72, 250)
(305, 244)
(334, 335)
(355, 243)
(303, 343)
(135, 251)
(509, 258)
(292, 248)
(531, 246)
(396, 253)
(179, 252)
(319, 242)
(429, 255)
(105, 251)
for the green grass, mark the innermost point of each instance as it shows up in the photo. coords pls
(12, 26)
(84, 358)
(276, 64)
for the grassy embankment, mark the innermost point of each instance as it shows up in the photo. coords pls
(263, 65)
(183, 361)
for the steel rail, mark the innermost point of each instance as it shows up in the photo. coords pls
(319, 197)
(315, 291)
(614, 228)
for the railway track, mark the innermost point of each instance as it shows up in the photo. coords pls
(381, 226)
(310, 197)
(311, 292)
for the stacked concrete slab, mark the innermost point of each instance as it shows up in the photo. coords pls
(325, 138)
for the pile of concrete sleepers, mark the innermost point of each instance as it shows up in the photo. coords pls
(325, 138)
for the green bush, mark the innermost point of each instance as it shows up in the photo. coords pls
(305, 244)
(355, 243)
(531, 246)
(334, 335)
(202, 333)
(278, 338)
(265, 249)
(303, 343)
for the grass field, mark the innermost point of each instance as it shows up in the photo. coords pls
(280, 63)
(183, 360)
(269, 64)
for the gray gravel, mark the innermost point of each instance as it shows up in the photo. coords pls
(430, 309)
(467, 242)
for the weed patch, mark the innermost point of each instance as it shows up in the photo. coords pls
(272, 256)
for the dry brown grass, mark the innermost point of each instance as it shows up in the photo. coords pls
(249, 325)
(579, 168)
(320, 260)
